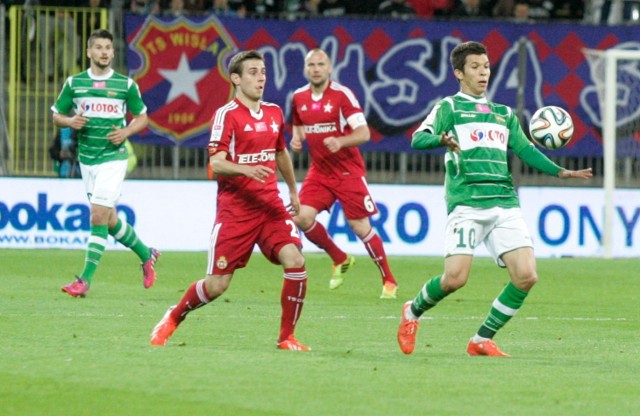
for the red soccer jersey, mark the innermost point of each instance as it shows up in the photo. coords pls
(323, 117)
(249, 139)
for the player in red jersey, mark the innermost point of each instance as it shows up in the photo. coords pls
(246, 147)
(328, 116)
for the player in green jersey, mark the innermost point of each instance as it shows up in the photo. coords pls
(95, 104)
(482, 202)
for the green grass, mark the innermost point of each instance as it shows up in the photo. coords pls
(574, 345)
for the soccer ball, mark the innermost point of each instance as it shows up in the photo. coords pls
(551, 127)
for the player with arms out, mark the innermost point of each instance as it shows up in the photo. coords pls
(99, 99)
(482, 202)
(246, 146)
(328, 116)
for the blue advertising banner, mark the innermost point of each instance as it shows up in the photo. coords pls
(397, 68)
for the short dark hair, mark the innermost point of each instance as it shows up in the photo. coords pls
(459, 53)
(236, 63)
(99, 34)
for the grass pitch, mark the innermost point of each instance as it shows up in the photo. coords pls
(575, 344)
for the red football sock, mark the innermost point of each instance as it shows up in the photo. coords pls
(195, 297)
(319, 236)
(292, 300)
(374, 246)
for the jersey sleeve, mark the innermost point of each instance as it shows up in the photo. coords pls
(281, 144)
(221, 132)
(64, 103)
(295, 116)
(134, 99)
(439, 120)
(349, 105)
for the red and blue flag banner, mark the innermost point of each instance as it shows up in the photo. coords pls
(398, 69)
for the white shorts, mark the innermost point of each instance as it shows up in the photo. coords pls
(500, 229)
(103, 182)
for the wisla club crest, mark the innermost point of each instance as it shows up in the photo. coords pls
(182, 74)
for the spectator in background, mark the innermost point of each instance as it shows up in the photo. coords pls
(309, 8)
(469, 8)
(63, 152)
(56, 44)
(396, 8)
(569, 10)
(195, 7)
(540, 9)
(145, 7)
(333, 8)
(222, 8)
(502, 8)
(430, 8)
(176, 9)
(521, 12)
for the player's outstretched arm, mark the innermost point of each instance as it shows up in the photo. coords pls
(579, 174)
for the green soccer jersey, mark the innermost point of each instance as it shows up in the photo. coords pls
(104, 100)
(479, 175)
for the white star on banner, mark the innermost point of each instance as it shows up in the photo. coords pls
(183, 80)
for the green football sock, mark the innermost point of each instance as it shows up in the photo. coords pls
(95, 250)
(428, 297)
(126, 235)
(504, 308)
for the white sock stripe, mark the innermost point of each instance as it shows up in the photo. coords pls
(369, 236)
(504, 309)
(122, 231)
(308, 230)
(201, 292)
(426, 297)
(296, 314)
(295, 275)
(97, 240)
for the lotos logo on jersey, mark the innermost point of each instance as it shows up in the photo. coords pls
(181, 75)
(267, 155)
(98, 108)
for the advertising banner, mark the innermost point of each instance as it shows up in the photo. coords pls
(179, 215)
(398, 69)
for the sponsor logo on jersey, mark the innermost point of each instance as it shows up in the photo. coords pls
(180, 60)
(100, 108)
(267, 155)
(482, 108)
(303, 108)
(248, 128)
(99, 84)
(468, 115)
(261, 126)
(316, 106)
(321, 128)
(489, 135)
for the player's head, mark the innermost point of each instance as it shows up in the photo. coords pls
(317, 67)
(100, 49)
(471, 67)
(248, 74)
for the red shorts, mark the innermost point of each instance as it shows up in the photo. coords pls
(232, 243)
(352, 193)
